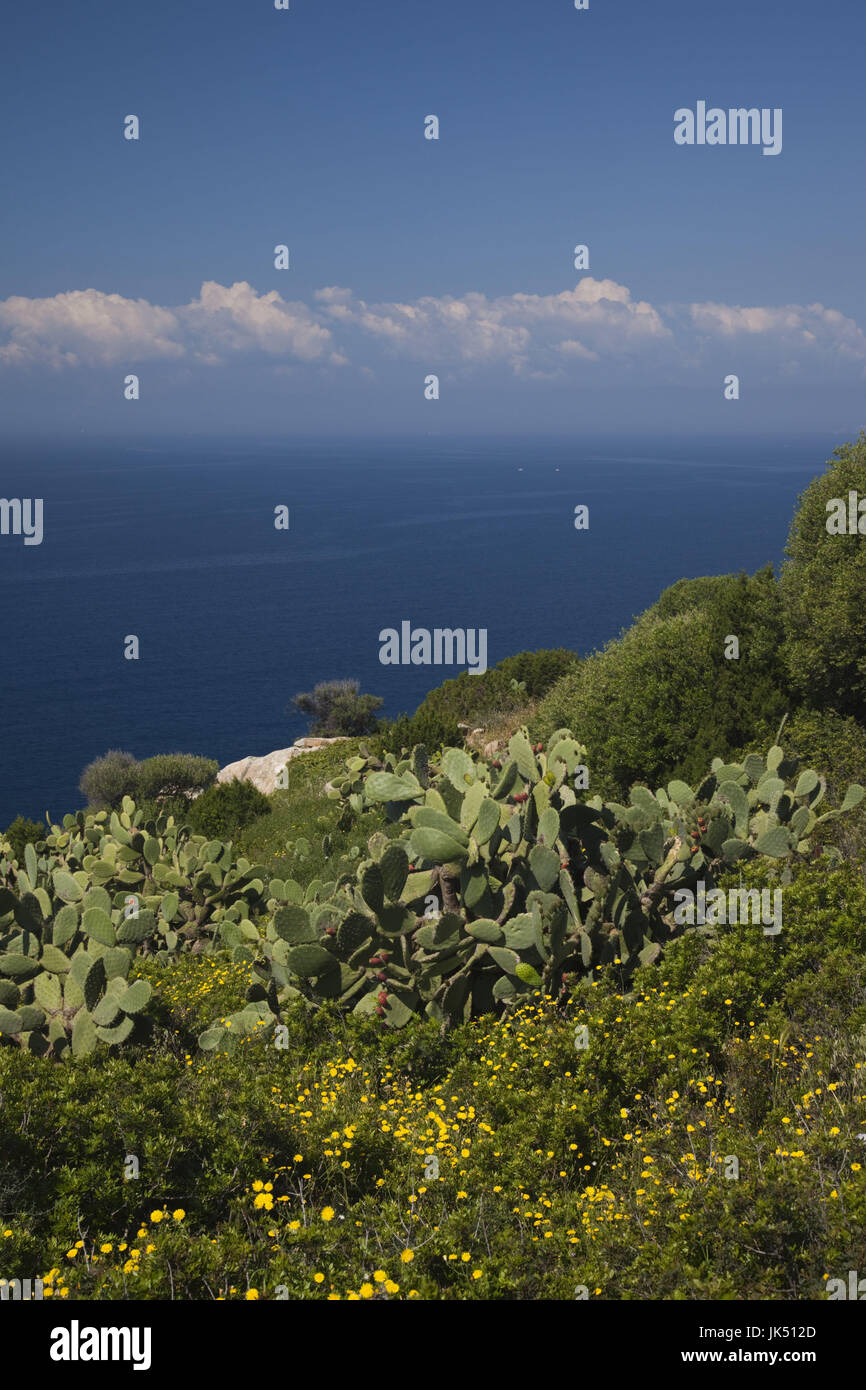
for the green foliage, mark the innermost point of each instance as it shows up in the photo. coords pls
(107, 780)
(308, 834)
(471, 699)
(337, 708)
(663, 699)
(226, 808)
(500, 880)
(168, 777)
(823, 582)
(534, 672)
(99, 890)
(174, 775)
(726, 1053)
(23, 832)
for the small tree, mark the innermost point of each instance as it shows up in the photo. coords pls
(24, 832)
(107, 780)
(336, 707)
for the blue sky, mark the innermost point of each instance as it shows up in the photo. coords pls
(410, 256)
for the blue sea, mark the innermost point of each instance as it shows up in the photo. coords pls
(175, 543)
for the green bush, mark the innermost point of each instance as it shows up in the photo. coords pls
(107, 780)
(226, 808)
(23, 832)
(823, 583)
(173, 775)
(468, 699)
(336, 708)
(663, 699)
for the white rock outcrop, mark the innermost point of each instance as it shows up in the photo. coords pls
(263, 772)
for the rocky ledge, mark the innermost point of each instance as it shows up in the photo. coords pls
(263, 772)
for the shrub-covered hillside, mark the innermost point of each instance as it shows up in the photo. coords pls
(581, 1015)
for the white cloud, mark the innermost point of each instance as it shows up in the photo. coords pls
(85, 326)
(91, 328)
(237, 319)
(809, 324)
(538, 337)
(474, 329)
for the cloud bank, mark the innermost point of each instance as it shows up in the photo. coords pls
(535, 336)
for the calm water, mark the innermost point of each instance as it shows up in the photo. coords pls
(176, 544)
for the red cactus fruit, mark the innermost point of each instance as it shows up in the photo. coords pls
(380, 1012)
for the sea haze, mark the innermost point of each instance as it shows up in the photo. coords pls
(176, 544)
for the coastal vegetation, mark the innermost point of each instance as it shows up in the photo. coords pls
(425, 1024)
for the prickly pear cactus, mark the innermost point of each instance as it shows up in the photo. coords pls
(97, 891)
(504, 878)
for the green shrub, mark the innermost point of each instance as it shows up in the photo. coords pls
(336, 708)
(663, 699)
(823, 582)
(168, 777)
(538, 671)
(226, 808)
(468, 699)
(107, 780)
(23, 832)
(173, 775)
